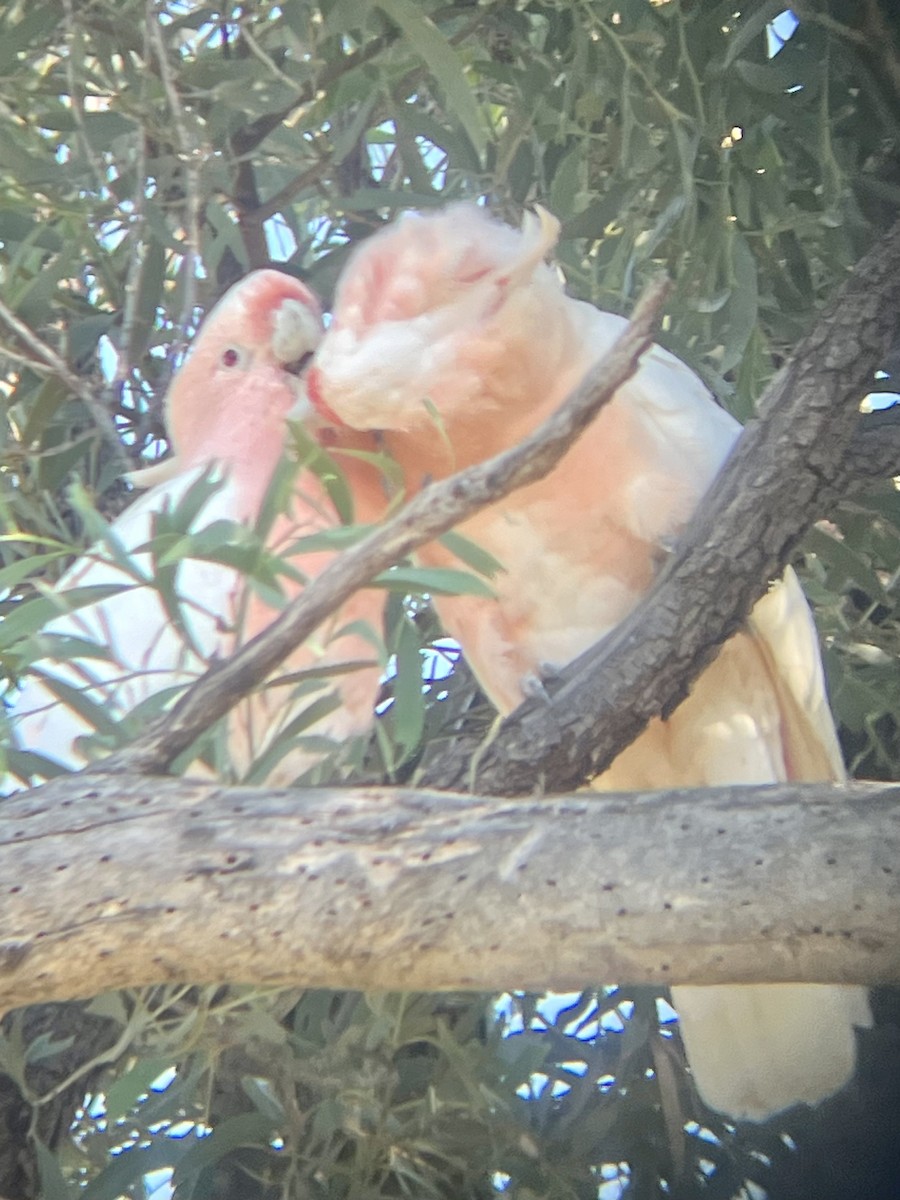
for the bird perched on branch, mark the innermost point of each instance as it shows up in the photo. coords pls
(452, 336)
(226, 413)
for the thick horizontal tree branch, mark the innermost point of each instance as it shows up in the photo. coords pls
(788, 469)
(431, 513)
(124, 881)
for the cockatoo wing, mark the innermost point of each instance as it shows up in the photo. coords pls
(140, 651)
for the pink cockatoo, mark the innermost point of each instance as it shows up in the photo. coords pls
(452, 336)
(226, 411)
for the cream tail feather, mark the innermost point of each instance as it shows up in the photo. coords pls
(451, 336)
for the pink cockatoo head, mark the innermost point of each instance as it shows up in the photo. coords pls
(229, 401)
(431, 316)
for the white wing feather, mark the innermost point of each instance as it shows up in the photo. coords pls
(146, 653)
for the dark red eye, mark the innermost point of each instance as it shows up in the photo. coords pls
(230, 357)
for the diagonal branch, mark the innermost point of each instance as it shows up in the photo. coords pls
(192, 159)
(434, 511)
(47, 359)
(789, 466)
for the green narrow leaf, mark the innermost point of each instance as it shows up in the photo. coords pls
(350, 136)
(440, 427)
(287, 738)
(101, 531)
(309, 678)
(126, 1171)
(311, 456)
(33, 539)
(339, 538)
(26, 764)
(389, 467)
(248, 1129)
(278, 495)
(743, 303)
(420, 176)
(163, 583)
(54, 465)
(751, 26)
(181, 516)
(53, 1183)
(424, 124)
(94, 712)
(445, 581)
(123, 1093)
(63, 647)
(12, 1049)
(471, 554)
(842, 563)
(260, 1092)
(17, 35)
(566, 185)
(32, 615)
(224, 236)
(443, 62)
(45, 1046)
(110, 1005)
(408, 709)
(153, 273)
(41, 410)
(367, 632)
(13, 574)
(221, 541)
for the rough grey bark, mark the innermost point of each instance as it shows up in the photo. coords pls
(116, 881)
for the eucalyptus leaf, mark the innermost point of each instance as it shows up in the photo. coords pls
(444, 581)
(443, 62)
(232, 1133)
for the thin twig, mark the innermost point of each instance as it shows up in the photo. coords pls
(283, 196)
(259, 53)
(53, 362)
(76, 98)
(192, 160)
(433, 511)
(138, 246)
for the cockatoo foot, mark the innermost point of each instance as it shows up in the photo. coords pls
(533, 683)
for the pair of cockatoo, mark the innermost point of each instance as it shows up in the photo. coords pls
(453, 339)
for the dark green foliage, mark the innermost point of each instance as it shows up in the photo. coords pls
(141, 142)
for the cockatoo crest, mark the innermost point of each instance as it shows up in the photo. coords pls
(417, 316)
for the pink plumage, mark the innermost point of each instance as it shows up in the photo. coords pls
(452, 336)
(226, 410)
